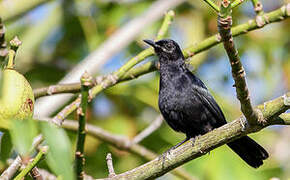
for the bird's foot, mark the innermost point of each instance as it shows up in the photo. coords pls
(177, 145)
(164, 155)
(192, 141)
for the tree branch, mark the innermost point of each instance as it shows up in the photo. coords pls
(57, 89)
(123, 143)
(282, 119)
(236, 3)
(110, 165)
(94, 61)
(17, 162)
(212, 5)
(113, 78)
(12, 169)
(116, 77)
(35, 174)
(238, 72)
(205, 143)
(86, 82)
(258, 7)
(149, 130)
(32, 164)
(271, 17)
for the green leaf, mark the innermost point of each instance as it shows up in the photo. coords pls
(59, 157)
(5, 146)
(23, 132)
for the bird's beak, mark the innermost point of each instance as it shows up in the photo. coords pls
(150, 42)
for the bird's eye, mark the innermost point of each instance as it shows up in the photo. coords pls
(168, 46)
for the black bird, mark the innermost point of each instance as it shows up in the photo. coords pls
(188, 107)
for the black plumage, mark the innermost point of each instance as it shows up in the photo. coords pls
(188, 107)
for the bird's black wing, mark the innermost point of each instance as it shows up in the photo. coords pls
(208, 101)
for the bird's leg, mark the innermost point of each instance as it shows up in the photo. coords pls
(177, 145)
(174, 147)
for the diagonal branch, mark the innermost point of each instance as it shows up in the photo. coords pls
(125, 73)
(149, 130)
(114, 77)
(212, 5)
(236, 3)
(205, 143)
(123, 143)
(32, 164)
(17, 162)
(114, 44)
(267, 18)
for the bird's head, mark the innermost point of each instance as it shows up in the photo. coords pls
(166, 49)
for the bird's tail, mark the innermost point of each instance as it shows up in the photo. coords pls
(250, 151)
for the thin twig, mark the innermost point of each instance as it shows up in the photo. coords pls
(86, 82)
(149, 130)
(236, 3)
(112, 79)
(238, 72)
(57, 89)
(35, 174)
(123, 143)
(12, 169)
(3, 45)
(93, 62)
(47, 175)
(258, 7)
(32, 164)
(168, 18)
(283, 119)
(17, 162)
(212, 5)
(75, 87)
(267, 18)
(110, 165)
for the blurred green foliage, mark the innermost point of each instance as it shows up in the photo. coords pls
(23, 141)
(59, 34)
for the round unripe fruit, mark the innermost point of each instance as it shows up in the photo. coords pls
(17, 99)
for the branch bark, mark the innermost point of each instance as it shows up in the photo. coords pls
(238, 72)
(203, 144)
(86, 82)
(122, 143)
(110, 165)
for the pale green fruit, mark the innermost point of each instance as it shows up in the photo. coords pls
(17, 99)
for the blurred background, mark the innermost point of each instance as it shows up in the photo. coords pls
(57, 35)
